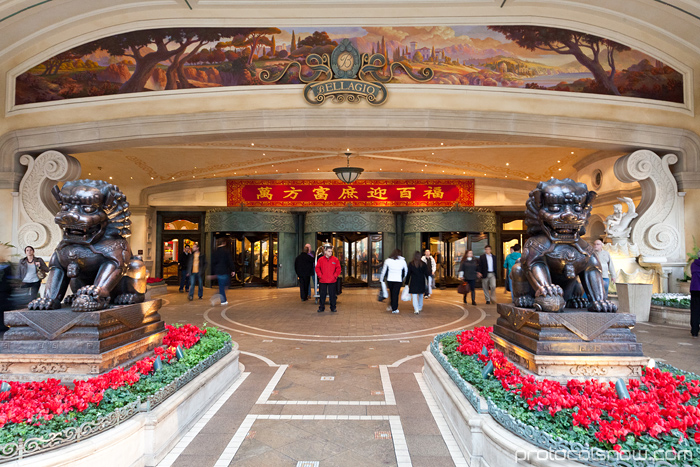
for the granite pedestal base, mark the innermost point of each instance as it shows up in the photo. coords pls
(72, 345)
(571, 344)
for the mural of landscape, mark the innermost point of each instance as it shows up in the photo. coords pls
(532, 57)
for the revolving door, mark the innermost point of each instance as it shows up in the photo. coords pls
(360, 256)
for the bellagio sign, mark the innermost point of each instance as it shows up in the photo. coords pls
(347, 76)
(365, 193)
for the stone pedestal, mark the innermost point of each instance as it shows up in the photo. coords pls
(635, 299)
(571, 344)
(71, 345)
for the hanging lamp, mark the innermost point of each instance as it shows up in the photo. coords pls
(348, 174)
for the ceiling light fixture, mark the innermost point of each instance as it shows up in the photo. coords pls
(348, 174)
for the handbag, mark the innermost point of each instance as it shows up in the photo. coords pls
(463, 288)
(405, 295)
(40, 274)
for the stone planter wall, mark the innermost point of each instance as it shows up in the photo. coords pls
(483, 441)
(669, 315)
(146, 438)
(155, 290)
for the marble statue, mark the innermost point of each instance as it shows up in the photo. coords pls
(557, 265)
(93, 255)
(617, 225)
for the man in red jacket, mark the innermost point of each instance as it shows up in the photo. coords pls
(327, 270)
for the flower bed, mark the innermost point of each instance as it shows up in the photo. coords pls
(673, 300)
(37, 416)
(661, 415)
(154, 281)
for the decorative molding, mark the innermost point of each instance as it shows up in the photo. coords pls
(350, 221)
(37, 205)
(450, 222)
(659, 229)
(248, 221)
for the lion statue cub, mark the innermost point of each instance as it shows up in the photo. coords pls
(557, 266)
(93, 256)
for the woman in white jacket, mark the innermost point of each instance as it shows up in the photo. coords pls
(395, 270)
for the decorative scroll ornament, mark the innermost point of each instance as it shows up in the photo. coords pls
(657, 232)
(37, 204)
(347, 75)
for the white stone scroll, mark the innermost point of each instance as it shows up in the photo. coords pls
(37, 205)
(658, 231)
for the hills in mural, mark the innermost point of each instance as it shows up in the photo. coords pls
(533, 57)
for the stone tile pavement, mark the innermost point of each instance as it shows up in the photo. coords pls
(344, 388)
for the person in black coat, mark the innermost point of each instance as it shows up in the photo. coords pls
(416, 279)
(304, 268)
(223, 267)
(468, 272)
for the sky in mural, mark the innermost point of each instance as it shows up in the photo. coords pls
(534, 57)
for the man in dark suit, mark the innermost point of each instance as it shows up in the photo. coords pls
(304, 267)
(184, 261)
(486, 271)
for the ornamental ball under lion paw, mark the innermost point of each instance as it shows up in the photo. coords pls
(552, 303)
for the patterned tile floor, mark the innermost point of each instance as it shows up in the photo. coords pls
(344, 388)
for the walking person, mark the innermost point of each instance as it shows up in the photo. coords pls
(395, 268)
(195, 269)
(32, 271)
(327, 270)
(5, 284)
(184, 261)
(432, 266)
(223, 267)
(695, 298)
(416, 279)
(468, 273)
(607, 267)
(486, 271)
(304, 268)
(508, 264)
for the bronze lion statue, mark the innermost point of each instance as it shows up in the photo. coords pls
(93, 256)
(557, 266)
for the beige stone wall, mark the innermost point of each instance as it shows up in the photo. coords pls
(6, 199)
(692, 218)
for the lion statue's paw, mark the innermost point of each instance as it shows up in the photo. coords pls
(603, 306)
(44, 304)
(88, 299)
(577, 302)
(128, 299)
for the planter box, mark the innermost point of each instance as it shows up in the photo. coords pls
(145, 439)
(635, 299)
(670, 315)
(483, 441)
(683, 287)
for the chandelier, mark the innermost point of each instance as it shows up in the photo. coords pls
(348, 174)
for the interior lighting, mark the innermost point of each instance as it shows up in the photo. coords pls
(252, 144)
(442, 144)
(151, 178)
(173, 178)
(133, 177)
(348, 174)
(559, 170)
(572, 152)
(527, 178)
(110, 178)
(89, 174)
(507, 163)
(559, 162)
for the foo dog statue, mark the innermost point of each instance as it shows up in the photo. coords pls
(94, 256)
(555, 257)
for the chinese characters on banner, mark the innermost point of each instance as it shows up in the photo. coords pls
(315, 193)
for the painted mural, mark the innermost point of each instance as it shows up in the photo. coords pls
(531, 57)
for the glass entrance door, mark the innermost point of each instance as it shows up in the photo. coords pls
(173, 250)
(256, 258)
(448, 248)
(360, 256)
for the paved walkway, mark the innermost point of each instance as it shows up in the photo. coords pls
(342, 389)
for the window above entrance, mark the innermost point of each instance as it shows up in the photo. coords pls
(181, 224)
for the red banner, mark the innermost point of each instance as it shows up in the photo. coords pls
(371, 193)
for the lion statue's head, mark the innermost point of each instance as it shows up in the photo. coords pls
(560, 209)
(91, 210)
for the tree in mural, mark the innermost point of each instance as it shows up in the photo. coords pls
(317, 39)
(52, 65)
(586, 48)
